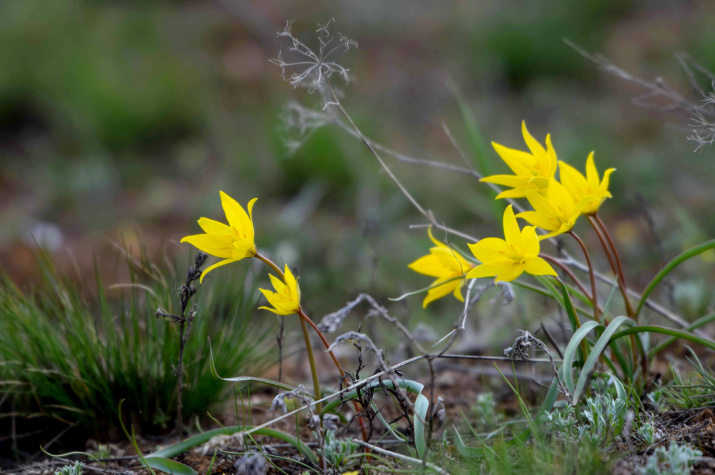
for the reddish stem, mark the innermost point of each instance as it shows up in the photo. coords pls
(594, 296)
(629, 309)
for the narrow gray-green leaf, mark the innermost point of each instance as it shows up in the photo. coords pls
(571, 350)
(169, 466)
(595, 352)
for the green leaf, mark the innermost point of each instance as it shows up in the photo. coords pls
(666, 331)
(595, 352)
(245, 379)
(571, 349)
(168, 466)
(702, 321)
(202, 438)
(669, 267)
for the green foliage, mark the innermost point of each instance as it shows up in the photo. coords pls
(75, 469)
(675, 460)
(599, 423)
(100, 75)
(337, 451)
(485, 412)
(72, 358)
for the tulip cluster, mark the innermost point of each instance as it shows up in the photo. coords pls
(557, 205)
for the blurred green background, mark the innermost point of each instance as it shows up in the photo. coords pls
(120, 122)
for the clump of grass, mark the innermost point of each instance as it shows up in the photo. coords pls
(693, 390)
(69, 358)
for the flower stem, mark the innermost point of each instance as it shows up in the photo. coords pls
(270, 264)
(629, 308)
(311, 360)
(594, 296)
(304, 318)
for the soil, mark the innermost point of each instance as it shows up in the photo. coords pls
(457, 385)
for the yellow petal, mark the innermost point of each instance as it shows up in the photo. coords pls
(512, 234)
(558, 231)
(277, 283)
(530, 242)
(214, 227)
(551, 154)
(428, 265)
(439, 292)
(490, 249)
(448, 259)
(536, 149)
(606, 180)
(541, 204)
(520, 162)
(292, 284)
(538, 266)
(458, 292)
(539, 220)
(573, 180)
(214, 244)
(218, 264)
(509, 274)
(540, 182)
(431, 236)
(591, 172)
(276, 311)
(486, 270)
(512, 181)
(513, 193)
(236, 215)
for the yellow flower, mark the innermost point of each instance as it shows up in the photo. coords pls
(286, 299)
(532, 171)
(506, 259)
(446, 264)
(556, 212)
(232, 242)
(590, 185)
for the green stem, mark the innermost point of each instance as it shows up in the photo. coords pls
(619, 267)
(594, 296)
(311, 360)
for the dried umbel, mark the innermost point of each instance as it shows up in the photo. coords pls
(311, 67)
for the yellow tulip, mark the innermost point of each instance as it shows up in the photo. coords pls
(556, 212)
(580, 186)
(446, 265)
(286, 299)
(231, 242)
(506, 259)
(532, 171)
